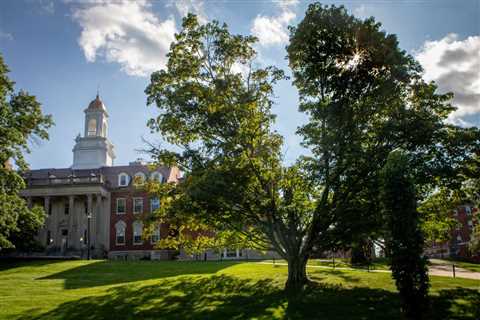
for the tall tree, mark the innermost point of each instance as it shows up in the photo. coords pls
(404, 235)
(21, 121)
(365, 97)
(215, 106)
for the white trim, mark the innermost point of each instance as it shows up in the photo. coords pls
(133, 203)
(121, 225)
(127, 179)
(156, 176)
(134, 225)
(125, 206)
(151, 202)
(140, 174)
(157, 230)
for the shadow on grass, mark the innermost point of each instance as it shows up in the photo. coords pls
(458, 304)
(7, 264)
(227, 297)
(105, 272)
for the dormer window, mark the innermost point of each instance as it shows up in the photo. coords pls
(92, 127)
(156, 177)
(123, 180)
(139, 178)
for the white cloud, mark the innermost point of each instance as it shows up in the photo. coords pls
(184, 7)
(455, 66)
(47, 6)
(273, 30)
(125, 32)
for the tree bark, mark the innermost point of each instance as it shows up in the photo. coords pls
(297, 274)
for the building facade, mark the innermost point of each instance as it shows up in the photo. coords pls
(95, 204)
(467, 218)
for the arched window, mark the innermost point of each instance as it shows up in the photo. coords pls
(139, 178)
(123, 179)
(92, 127)
(120, 227)
(156, 176)
(137, 232)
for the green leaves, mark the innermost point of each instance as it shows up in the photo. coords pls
(21, 123)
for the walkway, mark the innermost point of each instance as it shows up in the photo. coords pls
(442, 270)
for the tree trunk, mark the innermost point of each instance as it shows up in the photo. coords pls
(297, 274)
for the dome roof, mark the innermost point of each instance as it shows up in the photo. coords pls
(97, 104)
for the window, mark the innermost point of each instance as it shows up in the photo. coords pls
(67, 208)
(123, 179)
(137, 205)
(92, 127)
(156, 176)
(139, 178)
(154, 204)
(156, 235)
(459, 238)
(121, 206)
(137, 232)
(468, 210)
(120, 233)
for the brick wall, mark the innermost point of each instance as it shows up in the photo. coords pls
(129, 218)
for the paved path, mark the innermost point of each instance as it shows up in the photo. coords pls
(442, 270)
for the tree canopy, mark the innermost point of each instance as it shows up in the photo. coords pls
(364, 96)
(21, 122)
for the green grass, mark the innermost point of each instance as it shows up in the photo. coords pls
(377, 264)
(210, 290)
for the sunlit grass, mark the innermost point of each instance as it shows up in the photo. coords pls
(210, 290)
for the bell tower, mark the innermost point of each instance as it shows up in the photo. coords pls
(94, 150)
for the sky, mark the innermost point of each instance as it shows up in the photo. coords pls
(64, 51)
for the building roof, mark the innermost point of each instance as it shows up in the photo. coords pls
(97, 104)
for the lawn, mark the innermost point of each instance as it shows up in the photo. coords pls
(210, 290)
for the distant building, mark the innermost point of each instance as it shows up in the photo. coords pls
(94, 186)
(457, 247)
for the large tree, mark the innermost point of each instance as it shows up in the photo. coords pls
(215, 106)
(365, 97)
(21, 122)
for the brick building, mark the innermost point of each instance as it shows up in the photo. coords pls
(94, 200)
(466, 217)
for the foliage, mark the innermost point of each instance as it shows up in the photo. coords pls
(215, 107)
(365, 97)
(405, 238)
(474, 244)
(21, 121)
(436, 211)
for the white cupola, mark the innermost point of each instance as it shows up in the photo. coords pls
(93, 150)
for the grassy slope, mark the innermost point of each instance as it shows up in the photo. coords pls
(209, 290)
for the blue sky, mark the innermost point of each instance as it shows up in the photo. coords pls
(61, 51)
